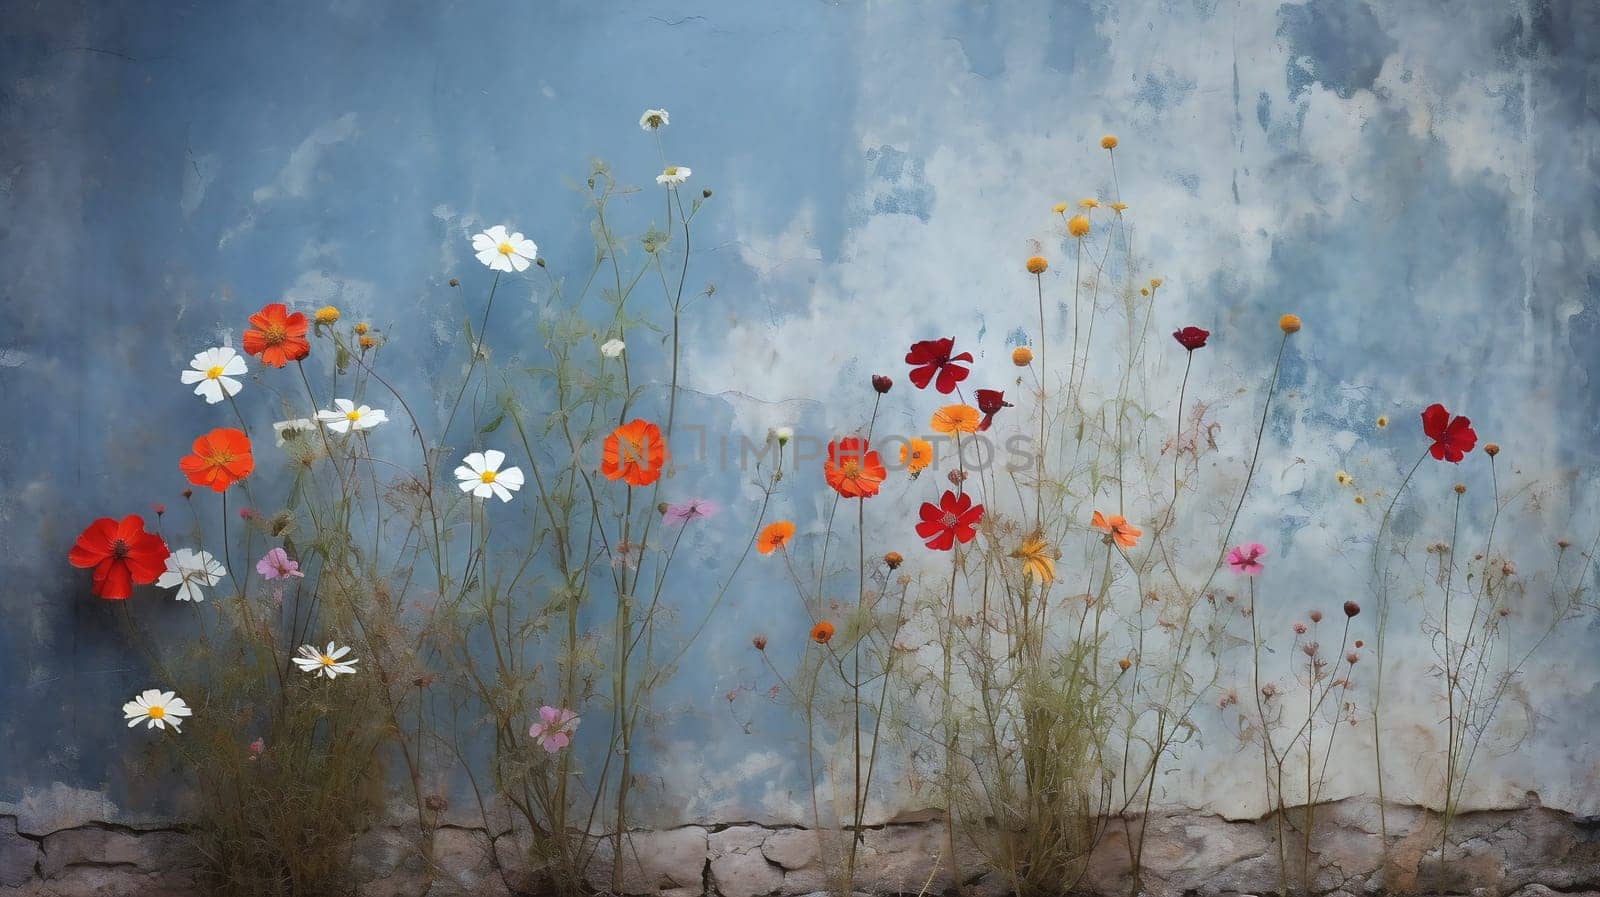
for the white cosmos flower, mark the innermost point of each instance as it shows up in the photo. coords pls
(293, 429)
(192, 572)
(612, 348)
(212, 374)
(653, 119)
(504, 252)
(673, 175)
(350, 417)
(481, 475)
(160, 708)
(330, 663)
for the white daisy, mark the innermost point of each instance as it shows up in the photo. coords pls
(160, 708)
(330, 663)
(481, 475)
(673, 175)
(192, 572)
(612, 348)
(285, 430)
(212, 374)
(350, 417)
(504, 252)
(653, 119)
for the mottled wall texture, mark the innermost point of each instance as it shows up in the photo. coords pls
(1417, 179)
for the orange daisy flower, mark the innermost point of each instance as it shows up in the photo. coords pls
(851, 469)
(916, 455)
(634, 453)
(822, 633)
(774, 536)
(1124, 533)
(277, 336)
(955, 419)
(220, 459)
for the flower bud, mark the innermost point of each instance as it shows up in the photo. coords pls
(1492, 449)
(1351, 608)
(1124, 663)
(1316, 616)
(893, 560)
(881, 383)
(1022, 356)
(760, 642)
(1037, 264)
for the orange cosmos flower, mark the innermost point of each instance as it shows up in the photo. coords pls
(851, 469)
(220, 459)
(916, 454)
(634, 453)
(774, 536)
(822, 633)
(1124, 533)
(955, 419)
(277, 336)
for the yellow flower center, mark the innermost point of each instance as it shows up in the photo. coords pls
(214, 372)
(505, 249)
(326, 661)
(157, 712)
(352, 415)
(851, 469)
(487, 476)
(672, 171)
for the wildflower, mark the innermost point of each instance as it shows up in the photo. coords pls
(1059, 208)
(213, 373)
(955, 419)
(851, 469)
(634, 453)
(932, 357)
(362, 327)
(349, 416)
(693, 509)
(1191, 338)
(774, 536)
(1108, 142)
(956, 477)
(822, 633)
(1382, 421)
(916, 454)
(1078, 226)
(653, 119)
(1088, 204)
(285, 430)
(367, 342)
(192, 572)
(1037, 264)
(881, 383)
(1123, 663)
(954, 519)
(481, 475)
(1351, 609)
(1246, 559)
(1452, 437)
(1351, 658)
(1461, 489)
(1299, 628)
(1119, 207)
(612, 348)
(1289, 323)
(990, 401)
(500, 251)
(1269, 690)
(256, 747)
(220, 458)
(277, 336)
(1038, 558)
(326, 315)
(331, 662)
(783, 434)
(1116, 529)
(276, 564)
(158, 709)
(121, 554)
(1316, 616)
(1343, 479)
(673, 175)
(1156, 282)
(554, 729)
(1360, 500)
(1310, 649)
(1022, 356)
(893, 560)
(1491, 449)
(759, 641)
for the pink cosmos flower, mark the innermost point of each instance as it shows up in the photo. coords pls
(693, 509)
(1246, 558)
(554, 729)
(276, 564)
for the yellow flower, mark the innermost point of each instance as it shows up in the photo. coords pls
(1059, 208)
(1156, 282)
(1022, 356)
(1078, 226)
(1037, 264)
(1038, 558)
(916, 454)
(1108, 142)
(1119, 207)
(1289, 323)
(1088, 203)
(368, 342)
(1343, 479)
(326, 315)
(1360, 500)
(1492, 449)
(361, 328)
(955, 419)
(1383, 421)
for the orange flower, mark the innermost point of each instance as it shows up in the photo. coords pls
(1126, 534)
(822, 633)
(634, 453)
(916, 454)
(774, 536)
(221, 458)
(1037, 264)
(955, 419)
(277, 336)
(851, 469)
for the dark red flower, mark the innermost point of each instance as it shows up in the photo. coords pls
(1191, 338)
(954, 519)
(881, 383)
(1452, 437)
(932, 356)
(990, 401)
(122, 555)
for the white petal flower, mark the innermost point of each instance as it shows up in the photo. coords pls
(331, 662)
(159, 708)
(673, 175)
(782, 434)
(504, 252)
(481, 475)
(285, 430)
(349, 416)
(653, 119)
(192, 572)
(213, 374)
(612, 348)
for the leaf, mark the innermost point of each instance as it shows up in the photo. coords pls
(494, 423)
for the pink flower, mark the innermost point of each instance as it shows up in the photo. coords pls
(276, 564)
(256, 747)
(685, 511)
(1246, 558)
(554, 729)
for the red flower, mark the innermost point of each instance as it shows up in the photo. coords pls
(852, 470)
(881, 383)
(990, 401)
(221, 458)
(954, 519)
(1191, 338)
(122, 555)
(1452, 438)
(932, 356)
(277, 336)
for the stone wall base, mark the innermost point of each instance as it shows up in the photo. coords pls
(1532, 852)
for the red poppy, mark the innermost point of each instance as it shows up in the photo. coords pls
(990, 401)
(851, 469)
(932, 356)
(122, 554)
(1452, 437)
(277, 336)
(954, 519)
(1191, 338)
(220, 459)
(634, 453)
